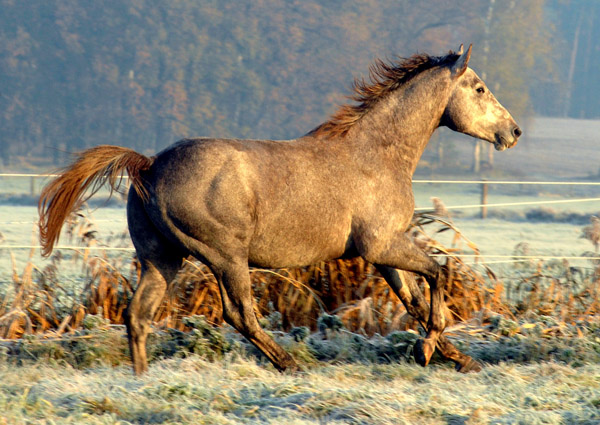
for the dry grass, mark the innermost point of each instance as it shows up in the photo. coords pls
(40, 304)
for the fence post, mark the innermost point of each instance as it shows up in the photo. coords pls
(484, 196)
(32, 186)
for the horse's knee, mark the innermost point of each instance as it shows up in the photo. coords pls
(399, 253)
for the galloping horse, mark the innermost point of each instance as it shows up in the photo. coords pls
(343, 190)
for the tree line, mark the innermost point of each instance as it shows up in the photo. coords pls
(145, 73)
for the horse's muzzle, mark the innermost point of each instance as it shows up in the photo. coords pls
(504, 141)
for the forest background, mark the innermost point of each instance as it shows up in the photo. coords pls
(145, 73)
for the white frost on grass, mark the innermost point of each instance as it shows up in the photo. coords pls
(233, 391)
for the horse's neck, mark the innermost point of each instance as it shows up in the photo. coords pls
(400, 127)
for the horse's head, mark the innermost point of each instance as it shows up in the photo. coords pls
(473, 109)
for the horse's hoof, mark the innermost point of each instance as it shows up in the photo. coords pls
(422, 352)
(471, 365)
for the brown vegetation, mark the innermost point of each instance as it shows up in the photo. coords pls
(351, 289)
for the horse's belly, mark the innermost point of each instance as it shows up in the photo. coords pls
(290, 250)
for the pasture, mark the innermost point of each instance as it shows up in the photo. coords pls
(239, 391)
(532, 323)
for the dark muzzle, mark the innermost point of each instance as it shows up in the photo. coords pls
(506, 140)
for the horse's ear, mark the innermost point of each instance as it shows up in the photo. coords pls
(460, 66)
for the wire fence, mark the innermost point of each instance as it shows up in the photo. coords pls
(420, 181)
(502, 257)
(499, 258)
(525, 182)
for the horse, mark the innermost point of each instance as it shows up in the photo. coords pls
(342, 190)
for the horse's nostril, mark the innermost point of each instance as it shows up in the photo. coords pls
(517, 132)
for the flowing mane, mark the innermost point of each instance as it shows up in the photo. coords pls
(384, 78)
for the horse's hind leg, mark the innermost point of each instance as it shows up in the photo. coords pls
(238, 311)
(413, 299)
(147, 297)
(159, 261)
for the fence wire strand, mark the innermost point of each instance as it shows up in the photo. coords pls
(501, 257)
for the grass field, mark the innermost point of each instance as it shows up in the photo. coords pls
(193, 391)
(240, 388)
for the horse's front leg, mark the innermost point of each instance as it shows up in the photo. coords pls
(401, 253)
(404, 286)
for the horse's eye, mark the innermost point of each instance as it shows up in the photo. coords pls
(480, 90)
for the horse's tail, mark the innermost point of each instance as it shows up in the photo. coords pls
(92, 169)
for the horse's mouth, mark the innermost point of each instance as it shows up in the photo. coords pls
(501, 143)
(499, 146)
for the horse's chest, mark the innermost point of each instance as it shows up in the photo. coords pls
(391, 211)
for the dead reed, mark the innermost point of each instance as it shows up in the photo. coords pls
(40, 303)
